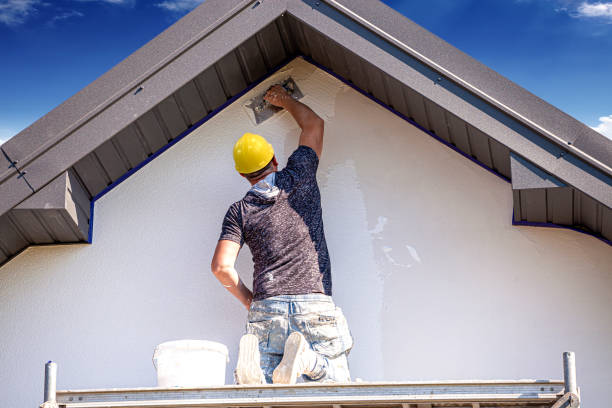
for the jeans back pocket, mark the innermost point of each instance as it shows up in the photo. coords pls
(328, 334)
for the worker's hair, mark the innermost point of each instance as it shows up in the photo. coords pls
(256, 174)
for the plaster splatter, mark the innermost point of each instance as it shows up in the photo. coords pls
(354, 266)
(387, 251)
(380, 226)
(413, 253)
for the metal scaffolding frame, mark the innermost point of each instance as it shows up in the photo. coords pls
(474, 394)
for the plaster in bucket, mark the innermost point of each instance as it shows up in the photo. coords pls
(190, 363)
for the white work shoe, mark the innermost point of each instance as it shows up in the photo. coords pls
(248, 370)
(298, 359)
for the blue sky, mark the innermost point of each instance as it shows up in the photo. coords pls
(560, 50)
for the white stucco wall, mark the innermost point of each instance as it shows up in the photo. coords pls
(435, 281)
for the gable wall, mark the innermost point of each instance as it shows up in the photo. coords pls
(434, 280)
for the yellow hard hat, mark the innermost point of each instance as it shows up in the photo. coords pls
(251, 153)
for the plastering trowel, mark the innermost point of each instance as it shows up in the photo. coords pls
(263, 110)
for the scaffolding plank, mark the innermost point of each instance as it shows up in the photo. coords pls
(524, 392)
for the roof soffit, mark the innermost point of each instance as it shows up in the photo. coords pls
(62, 201)
(109, 120)
(195, 54)
(548, 155)
(121, 79)
(498, 87)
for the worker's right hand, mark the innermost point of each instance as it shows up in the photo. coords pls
(278, 96)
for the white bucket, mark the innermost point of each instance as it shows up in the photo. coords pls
(190, 363)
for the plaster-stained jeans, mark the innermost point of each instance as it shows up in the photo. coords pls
(320, 322)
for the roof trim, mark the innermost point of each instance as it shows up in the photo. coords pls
(367, 95)
(473, 88)
(453, 97)
(472, 71)
(217, 13)
(63, 197)
(526, 175)
(537, 171)
(116, 83)
(547, 154)
(175, 141)
(112, 115)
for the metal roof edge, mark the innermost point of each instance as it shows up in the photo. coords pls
(525, 162)
(553, 156)
(558, 126)
(525, 175)
(176, 42)
(123, 77)
(531, 166)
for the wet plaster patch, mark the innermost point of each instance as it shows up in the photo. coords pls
(356, 277)
(450, 220)
(319, 88)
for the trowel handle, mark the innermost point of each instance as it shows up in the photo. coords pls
(288, 85)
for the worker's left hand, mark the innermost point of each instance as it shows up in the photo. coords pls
(278, 96)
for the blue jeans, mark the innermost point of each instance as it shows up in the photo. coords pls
(319, 320)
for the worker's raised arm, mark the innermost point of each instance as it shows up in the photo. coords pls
(222, 266)
(311, 124)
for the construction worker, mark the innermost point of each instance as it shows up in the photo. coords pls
(294, 328)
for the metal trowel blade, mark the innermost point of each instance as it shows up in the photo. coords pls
(263, 110)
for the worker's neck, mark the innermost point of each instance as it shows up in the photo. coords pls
(263, 176)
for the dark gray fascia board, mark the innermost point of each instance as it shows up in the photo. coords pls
(550, 156)
(125, 106)
(121, 79)
(63, 197)
(513, 99)
(527, 176)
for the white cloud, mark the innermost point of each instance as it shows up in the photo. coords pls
(584, 9)
(107, 1)
(64, 16)
(603, 10)
(605, 126)
(179, 5)
(14, 12)
(126, 3)
(6, 134)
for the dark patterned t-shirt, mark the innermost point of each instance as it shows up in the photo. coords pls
(284, 233)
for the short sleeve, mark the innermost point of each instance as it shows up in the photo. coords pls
(231, 229)
(302, 164)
